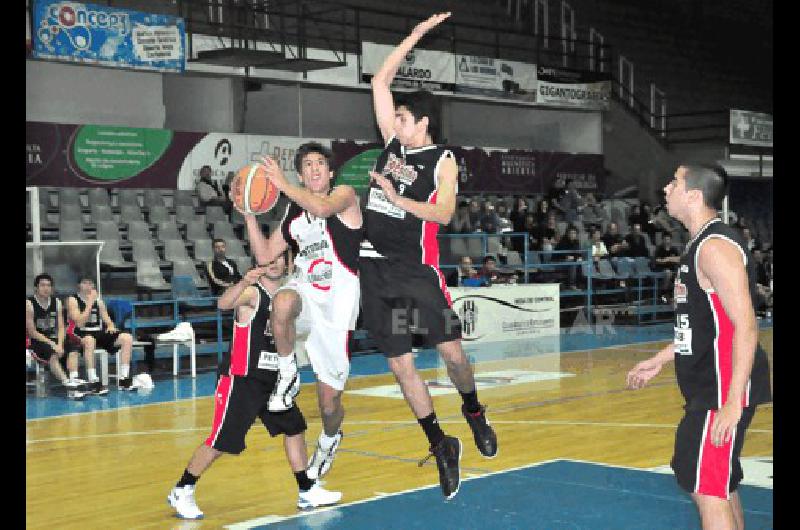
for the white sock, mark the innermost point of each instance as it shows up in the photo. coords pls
(91, 373)
(123, 370)
(286, 363)
(326, 441)
(73, 375)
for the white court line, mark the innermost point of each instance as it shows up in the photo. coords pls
(393, 422)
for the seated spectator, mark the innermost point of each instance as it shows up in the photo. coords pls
(519, 214)
(489, 223)
(637, 246)
(616, 245)
(208, 191)
(599, 250)
(461, 223)
(475, 215)
(751, 242)
(666, 259)
(490, 275)
(593, 212)
(763, 282)
(636, 216)
(547, 237)
(222, 272)
(570, 202)
(46, 336)
(542, 212)
(467, 275)
(570, 242)
(91, 325)
(532, 229)
(504, 223)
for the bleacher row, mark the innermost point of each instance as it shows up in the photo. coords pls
(149, 232)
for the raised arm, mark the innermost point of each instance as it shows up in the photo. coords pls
(242, 292)
(721, 263)
(439, 212)
(382, 80)
(265, 249)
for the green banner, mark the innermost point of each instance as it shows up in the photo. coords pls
(355, 171)
(108, 154)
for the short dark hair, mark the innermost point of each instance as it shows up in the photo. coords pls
(711, 180)
(422, 103)
(312, 147)
(488, 258)
(82, 277)
(40, 277)
(217, 240)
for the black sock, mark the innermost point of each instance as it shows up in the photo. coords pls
(303, 482)
(187, 479)
(431, 427)
(471, 401)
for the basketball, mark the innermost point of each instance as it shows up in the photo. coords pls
(252, 191)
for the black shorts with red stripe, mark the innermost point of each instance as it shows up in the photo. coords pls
(403, 300)
(699, 466)
(238, 401)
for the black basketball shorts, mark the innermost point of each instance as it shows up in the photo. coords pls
(237, 403)
(699, 466)
(400, 300)
(105, 340)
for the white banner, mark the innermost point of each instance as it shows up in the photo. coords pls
(584, 95)
(507, 312)
(495, 77)
(225, 152)
(750, 128)
(429, 69)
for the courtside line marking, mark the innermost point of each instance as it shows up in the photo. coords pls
(272, 518)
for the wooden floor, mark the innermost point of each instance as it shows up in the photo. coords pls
(113, 469)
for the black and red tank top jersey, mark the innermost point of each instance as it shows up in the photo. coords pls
(46, 318)
(390, 231)
(704, 333)
(253, 351)
(93, 323)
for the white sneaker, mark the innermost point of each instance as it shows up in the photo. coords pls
(286, 389)
(182, 332)
(317, 496)
(182, 499)
(322, 460)
(75, 383)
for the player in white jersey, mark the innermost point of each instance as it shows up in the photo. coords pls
(322, 224)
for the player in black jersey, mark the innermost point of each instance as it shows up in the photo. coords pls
(243, 392)
(90, 324)
(722, 371)
(46, 337)
(413, 192)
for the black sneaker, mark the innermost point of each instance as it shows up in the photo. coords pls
(97, 388)
(448, 458)
(127, 384)
(485, 437)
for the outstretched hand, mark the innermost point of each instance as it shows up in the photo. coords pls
(426, 25)
(275, 173)
(642, 373)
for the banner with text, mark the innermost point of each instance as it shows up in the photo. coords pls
(507, 312)
(572, 88)
(751, 128)
(428, 69)
(90, 33)
(495, 77)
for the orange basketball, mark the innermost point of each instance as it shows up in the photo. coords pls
(252, 191)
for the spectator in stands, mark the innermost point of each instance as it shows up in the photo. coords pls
(475, 215)
(490, 275)
(489, 223)
(593, 213)
(504, 223)
(751, 242)
(763, 282)
(547, 237)
(636, 216)
(570, 243)
(222, 272)
(570, 202)
(542, 212)
(532, 229)
(616, 245)
(467, 275)
(662, 221)
(519, 214)
(208, 191)
(226, 186)
(637, 246)
(46, 335)
(599, 250)
(90, 324)
(461, 223)
(666, 258)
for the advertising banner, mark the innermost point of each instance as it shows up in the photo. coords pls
(90, 33)
(495, 77)
(751, 128)
(428, 69)
(507, 312)
(571, 88)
